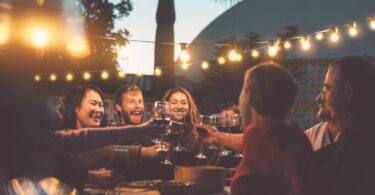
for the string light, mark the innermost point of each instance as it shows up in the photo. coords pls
(123, 51)
(184, 66)
(372, 22)
(334, 35)
(40, 37)
(37, 78)
(86, 76)
(77, 46)
(319, 36)
(53, 77)
(305, 43)
(184, 55)
(104, 75)
(4, 33)
(69, 77)
(139, 73)
(352, 29)
(121, 74)
(158, 71)
(221, 60)
(205, 65)
(255, 53)
(239, 57)
(273, 48)
(287, 45)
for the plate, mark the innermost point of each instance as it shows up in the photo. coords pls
(140, 184)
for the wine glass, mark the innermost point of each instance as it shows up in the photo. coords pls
(177, 129)
(235, 124)
(223, 125)
(162, 116)
(210, 120)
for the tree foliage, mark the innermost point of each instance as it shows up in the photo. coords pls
(100, 16)
(223, 83)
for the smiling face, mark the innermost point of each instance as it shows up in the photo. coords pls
(179, 106)
(131, 108)
(91, 110)
(327, 97)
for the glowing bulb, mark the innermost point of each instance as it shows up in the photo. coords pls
(184, 66)
(104, 75)
(121, 74)
(334, 35)
(40, 38)
(123, 52)
(305, 43)
(4, 33)
(238, 58)
(69, 77)
(232, 55)
(353, 31)
(255, 53)
(139, 73)
(158, 72)
(205, 65)
(319, 36)
(184, 55)
(40, 2)
(77, 46)
(221, 60)
(37, 78)
(372, 23)
(287, 45)
(86, 76)
(53, 77)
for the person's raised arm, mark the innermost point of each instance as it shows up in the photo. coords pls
(232, 141)
(92, 138)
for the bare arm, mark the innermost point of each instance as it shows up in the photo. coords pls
(232, 141)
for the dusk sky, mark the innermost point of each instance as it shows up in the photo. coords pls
(191, 18)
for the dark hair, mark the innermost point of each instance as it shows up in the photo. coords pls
(124, 89)
(73, 100)
(272, 90)
(228, 106)
(359, 74)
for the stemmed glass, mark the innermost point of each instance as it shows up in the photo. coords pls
(162, 116)
(235, 125)
(210, 120)
(177, 129)
(223, 125)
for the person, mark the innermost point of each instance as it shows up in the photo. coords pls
(129, 105)
(277, 157)
(347, 166)
(184, 110)
(230, 123)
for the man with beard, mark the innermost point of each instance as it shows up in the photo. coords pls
(326, 132)
(129, 106)
(347, 166)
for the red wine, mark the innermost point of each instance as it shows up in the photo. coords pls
(162, 120)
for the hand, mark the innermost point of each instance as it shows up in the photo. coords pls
(152, 151)
(211, 131)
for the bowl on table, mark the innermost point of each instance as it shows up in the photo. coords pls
(174, 187)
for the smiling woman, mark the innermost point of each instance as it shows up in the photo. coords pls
(83, 107)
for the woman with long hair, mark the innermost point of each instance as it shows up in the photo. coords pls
(184, 109)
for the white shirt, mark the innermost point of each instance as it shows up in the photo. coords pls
(319, 136)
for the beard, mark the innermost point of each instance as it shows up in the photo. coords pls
(127, 118)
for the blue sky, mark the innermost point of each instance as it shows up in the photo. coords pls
(192, 16)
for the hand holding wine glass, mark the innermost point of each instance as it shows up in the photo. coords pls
(162, 117)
